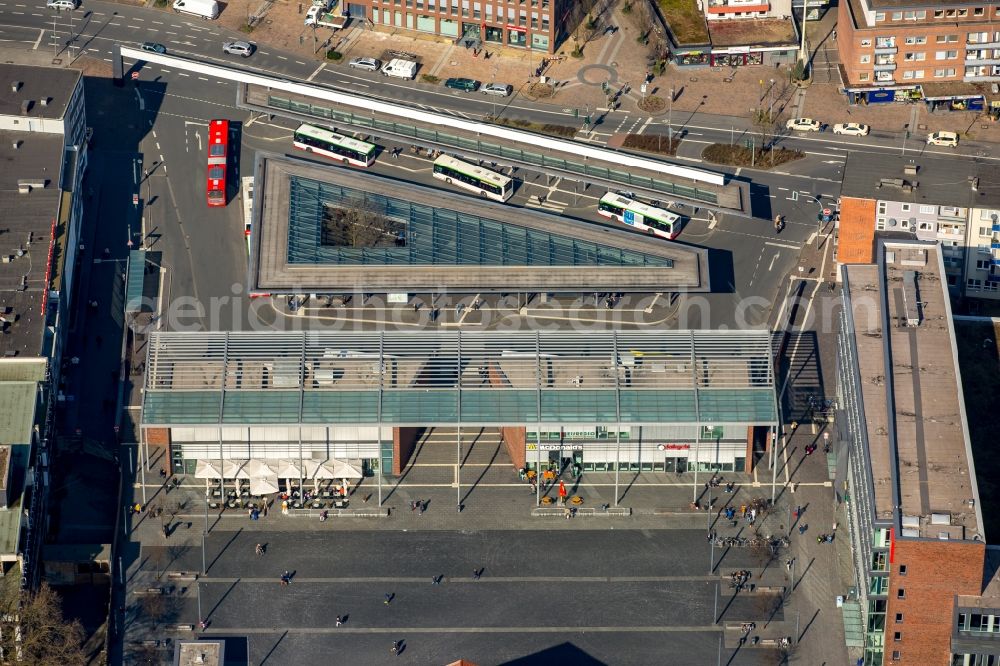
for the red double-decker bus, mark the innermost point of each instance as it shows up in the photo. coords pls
(218, 161)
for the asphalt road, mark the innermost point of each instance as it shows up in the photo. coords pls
(204, 256)
(97, 26)
(582, 596)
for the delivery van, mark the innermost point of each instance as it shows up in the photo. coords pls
(206, 9)
(400, 69)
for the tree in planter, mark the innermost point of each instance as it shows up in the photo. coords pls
(358, 225)
(765, 123)
(799, 72)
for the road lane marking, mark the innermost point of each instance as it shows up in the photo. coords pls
(316, 71)
(38, 41)
(773, 259)
(786, 245)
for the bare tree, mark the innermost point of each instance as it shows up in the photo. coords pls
(33, 630)
(359, 224)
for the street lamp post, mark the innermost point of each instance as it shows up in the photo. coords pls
(670, 115)
(770, 102)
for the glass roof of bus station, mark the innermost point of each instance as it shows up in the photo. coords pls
(459, 378)
(436, 235)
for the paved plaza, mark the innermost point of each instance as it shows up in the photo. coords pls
(602, 594)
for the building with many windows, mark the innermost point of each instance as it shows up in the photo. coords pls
(539, 25)
(890, 49)
(43, 150)
(909, 481)
(955, 203)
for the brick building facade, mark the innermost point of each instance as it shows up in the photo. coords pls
(538, 25)
(924, 579)
(884, 43)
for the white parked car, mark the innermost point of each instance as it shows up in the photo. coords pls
(947, 139)
(852, 129)
(498, 89)
(804, 124)
(369, 64)
(240, 48)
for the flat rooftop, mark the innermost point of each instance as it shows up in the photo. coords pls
(866, 308)
(752, 32)
(47, 89)
(914, 409)
(936, 182)
(26, 233)
(430, 240)
(199, 653)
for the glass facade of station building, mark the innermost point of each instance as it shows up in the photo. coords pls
(656, 401)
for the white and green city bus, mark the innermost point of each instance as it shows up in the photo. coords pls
(335, 146)
(473, 178)
(643, 217)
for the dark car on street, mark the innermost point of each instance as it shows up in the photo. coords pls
(468, 85)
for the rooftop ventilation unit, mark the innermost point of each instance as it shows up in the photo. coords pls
(910, 303)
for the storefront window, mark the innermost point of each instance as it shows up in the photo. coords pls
(448, 27)
(517, 38)
(540, 42)
(494, 35)
(696, 58)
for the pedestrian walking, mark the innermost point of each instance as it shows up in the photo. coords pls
(477, 574)
(437, 580)
(413, 505)
(788, 564)
(743, 510)
(395, 647)
(340, 621)
(259, 549)
(423, 507)
(388, 598)
(202, 625)
(562, 492)
(803, 528)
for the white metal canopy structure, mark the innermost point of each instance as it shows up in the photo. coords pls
(459, 378)
(375, 106)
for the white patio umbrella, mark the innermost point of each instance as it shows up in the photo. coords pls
(343, 469)
(257, 467)
(263, 485)
(287, 469)
(320, 469)
(207, 469)
(236, 469)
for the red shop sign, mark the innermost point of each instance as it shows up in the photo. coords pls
(516, 28)
(674, 447)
